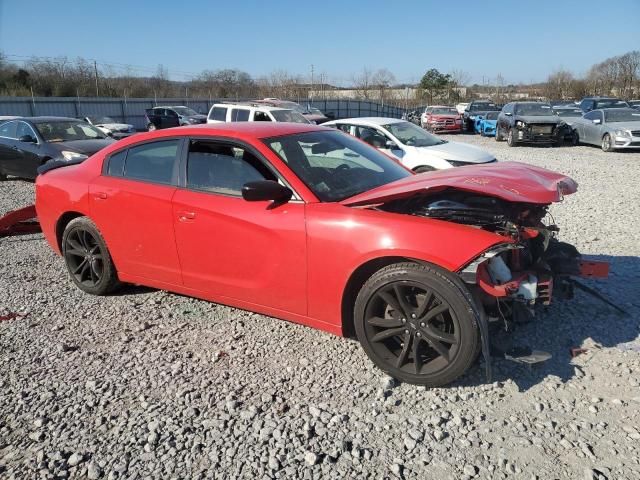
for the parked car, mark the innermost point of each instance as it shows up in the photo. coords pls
(634, 104)
(413, 116)
(530, 122)
(28, 142)
(110, 127)
(475, 108)
(252, 112)
(349, 241)
(461, 107)
(610, 128)
(167, 117)
(595, 103)
(314, 115)
(486, 124)
(415, 148)
(441, 119)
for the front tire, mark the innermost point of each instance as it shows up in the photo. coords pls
(151, 127)
(3, 177)
(607, 145)
(87, 257)
(417, 323)
(511, 141)
(498, 135)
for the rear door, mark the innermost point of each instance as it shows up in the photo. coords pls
(131, 204)
(170, 119)
(589, 130)
(254, 252)
(31, 152)
(10, 155)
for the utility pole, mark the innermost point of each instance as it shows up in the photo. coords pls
(312, 87)
(95, 69)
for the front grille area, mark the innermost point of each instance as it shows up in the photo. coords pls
(541, 129)
(635, 133)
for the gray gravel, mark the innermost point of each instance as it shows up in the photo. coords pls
(147, 384)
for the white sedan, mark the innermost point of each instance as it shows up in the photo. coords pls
(415, 148)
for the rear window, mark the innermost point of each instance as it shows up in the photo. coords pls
(219, 113)
(8, 130)
(152, 162)
(116, 164)
(239, 115)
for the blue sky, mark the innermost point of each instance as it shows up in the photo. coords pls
(523, 41)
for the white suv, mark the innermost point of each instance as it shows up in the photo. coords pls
(249, 112)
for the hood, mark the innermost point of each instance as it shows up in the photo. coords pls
(199, 116)
(510, 181)
(461, 152)
(538, 118)
(114, 126)
(88, 147)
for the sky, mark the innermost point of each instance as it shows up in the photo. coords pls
(521, 41)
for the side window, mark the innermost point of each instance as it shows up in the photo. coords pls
(8, 130)
(371, 136)
(219, 113)
(591, 115)
(24, 129)
(115, 167)
(600, 116)
(153, 162)
(259, 116)
(239, 115)
(220, 168)
(344, 127)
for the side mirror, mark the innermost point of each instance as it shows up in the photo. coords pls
(266, 190)
(391, 145)
(597, 121)
(27, 139)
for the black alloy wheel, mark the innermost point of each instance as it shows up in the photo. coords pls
(417, 324)
(87, 258)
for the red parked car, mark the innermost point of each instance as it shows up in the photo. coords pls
(438, 118)
(312, 225)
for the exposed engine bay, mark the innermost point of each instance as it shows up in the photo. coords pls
(513, 279)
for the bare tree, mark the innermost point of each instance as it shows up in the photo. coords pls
(382, 80)
(362, 83)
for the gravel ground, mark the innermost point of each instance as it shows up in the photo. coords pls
(147, 384)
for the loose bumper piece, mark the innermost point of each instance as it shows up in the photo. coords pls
(19, 222)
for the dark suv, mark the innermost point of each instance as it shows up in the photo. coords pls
(167, 117)
(475, 108)
(596, 103)
(531, 122)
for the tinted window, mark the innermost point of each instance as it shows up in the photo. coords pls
(221, 168)
(219, 113)
(116, 164)
(591, 115)
(24, 129)
(239, 115)
(259, 116)
(153, 162)
(8, 130)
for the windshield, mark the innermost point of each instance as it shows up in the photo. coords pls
(626, 115)
(483, 107)
(184, 111)
(335, 165)
(569, 112)
(411, 135)
(68, 130)
(533, 109)
(444, 111)
(288, 116)
(101, 120)
(492, 115)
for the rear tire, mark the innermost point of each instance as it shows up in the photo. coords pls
(417, 324)
(87, 257)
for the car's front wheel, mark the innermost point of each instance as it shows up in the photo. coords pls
(151, 127)
(607, 145)
(87, 257)
(3, 177)
(511, 141)
(417, 323)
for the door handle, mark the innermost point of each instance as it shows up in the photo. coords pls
(100, 196)
(186, 216)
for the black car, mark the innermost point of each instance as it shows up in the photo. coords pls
(531, 122)
(596, 103)
(475, 108)
(167, 117)
(28, 142)
(634, 104)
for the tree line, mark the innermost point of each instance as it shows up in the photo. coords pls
(61, 77)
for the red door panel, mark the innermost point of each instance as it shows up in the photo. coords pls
(243, 250)
(136, 221)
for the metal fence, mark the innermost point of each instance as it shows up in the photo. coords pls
(132, 110)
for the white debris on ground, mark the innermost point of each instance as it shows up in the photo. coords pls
(147, 384)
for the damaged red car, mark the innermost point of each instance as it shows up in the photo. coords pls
(311, 225)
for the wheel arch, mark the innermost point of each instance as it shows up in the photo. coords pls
(62, 223)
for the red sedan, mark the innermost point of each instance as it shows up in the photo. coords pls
(439, 118)
(314, 226)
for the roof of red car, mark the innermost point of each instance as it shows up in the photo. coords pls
(241, 129)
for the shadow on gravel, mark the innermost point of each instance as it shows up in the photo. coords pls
(569, 324)
(129, 289)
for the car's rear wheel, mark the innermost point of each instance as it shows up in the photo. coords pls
(3, 177)
(151, 127)
(498, 135)
(607, 145)
(511, 141)
(87, 257)
(417, 323)
(423, 168)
